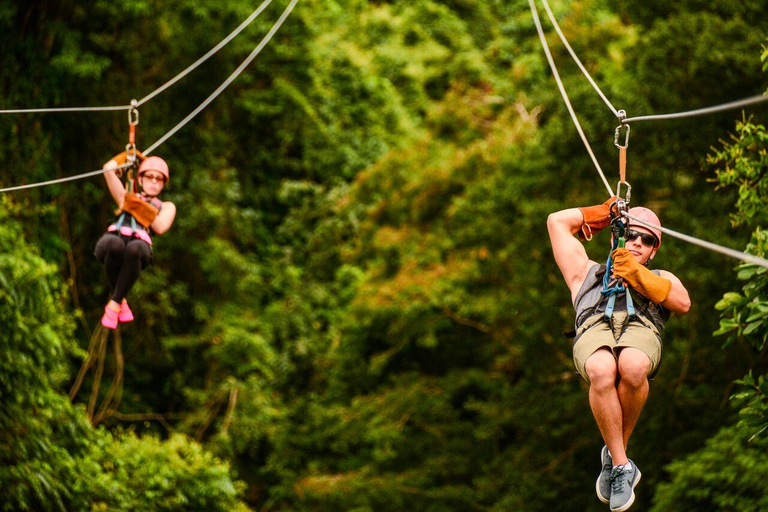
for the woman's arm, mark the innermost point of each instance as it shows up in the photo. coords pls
(113, 183)
(165, 218)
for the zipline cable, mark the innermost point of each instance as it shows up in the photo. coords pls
(210, 53)
(690, 113)
(576, 59)
(229, 80)
(65, 109)
(160, 89)
(176, 128)
(749, 258)
(560, 86)
(62, 180)
(687, 238)
(701, 111)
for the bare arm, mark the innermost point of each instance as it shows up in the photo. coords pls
(569, 254)
(113, 183)
(678, 300)
(165, 218)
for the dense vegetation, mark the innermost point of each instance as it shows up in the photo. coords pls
(357, 308)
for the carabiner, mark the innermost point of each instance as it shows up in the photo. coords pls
(626, 200)
(130, 154)
(133, 121)
(617, 134)
(133, 113)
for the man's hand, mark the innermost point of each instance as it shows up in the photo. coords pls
(642, 280)
(596, 218)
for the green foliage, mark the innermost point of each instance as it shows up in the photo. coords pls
(356, 306)
(744, 314)
(730, 474)
(149, 474)
(50, 456)
(753, 404)
(743, 164)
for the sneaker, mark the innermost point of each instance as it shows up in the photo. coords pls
(623, 482)
(125, 315)
(603, 485)
(109, 320)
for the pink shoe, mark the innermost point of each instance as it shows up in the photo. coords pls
(109, 320)
(125, 315)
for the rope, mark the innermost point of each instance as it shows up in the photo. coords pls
(749, 258)
(229, 80)
(205, 57)
(62, 180)
(702, 111)
(576, 59)
(560, 86)
(160, 89)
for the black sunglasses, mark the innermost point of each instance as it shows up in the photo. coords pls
(645, 238)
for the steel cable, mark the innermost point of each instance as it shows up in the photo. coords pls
(228, 81)
(749, 258)
(210, 53)
(576, 59)
(176, 128)
(65, 109)
(701, 111)
(62, 180)
(676, 115)
(169, 83)
(560, 86)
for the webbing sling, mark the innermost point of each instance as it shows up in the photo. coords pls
(611, 291)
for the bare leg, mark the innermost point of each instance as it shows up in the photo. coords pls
(633, 387)
(601, 368)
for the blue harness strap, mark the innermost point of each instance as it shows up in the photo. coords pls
(611, 290)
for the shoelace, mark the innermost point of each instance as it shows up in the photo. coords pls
(618, 478)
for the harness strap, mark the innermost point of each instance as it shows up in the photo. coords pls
(630, 303)
(623, 163)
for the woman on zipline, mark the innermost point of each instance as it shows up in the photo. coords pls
(126, 248)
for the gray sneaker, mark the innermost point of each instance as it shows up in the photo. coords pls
(623, 482)
(603, 485)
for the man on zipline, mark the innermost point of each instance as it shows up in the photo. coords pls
(618, 346)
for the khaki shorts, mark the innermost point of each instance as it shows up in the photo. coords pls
(596, 333)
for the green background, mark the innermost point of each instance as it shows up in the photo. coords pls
(357, 308)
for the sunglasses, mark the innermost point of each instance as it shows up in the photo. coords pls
(154, 178)
(645, 238)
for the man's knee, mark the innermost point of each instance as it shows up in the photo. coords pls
(601, 369)
(634, 366)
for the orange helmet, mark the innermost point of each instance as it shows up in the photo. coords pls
(154, 163)
(648, 216)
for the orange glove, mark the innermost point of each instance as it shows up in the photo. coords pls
(122, 158)
(596, 218)
(142, 211)
(642, 280)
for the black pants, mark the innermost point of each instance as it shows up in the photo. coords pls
(123, 258)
